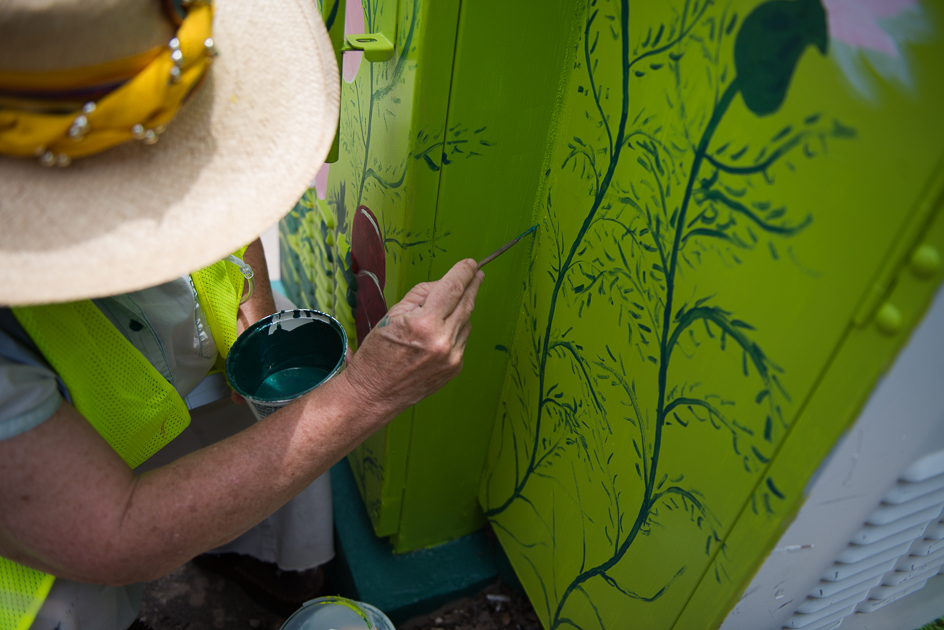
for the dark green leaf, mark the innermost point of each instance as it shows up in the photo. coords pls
(774, 489)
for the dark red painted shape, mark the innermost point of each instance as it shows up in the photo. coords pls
(369, 262)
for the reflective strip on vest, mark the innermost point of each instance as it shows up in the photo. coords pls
(118, 391)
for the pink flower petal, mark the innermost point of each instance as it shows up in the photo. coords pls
(353, 25)
(321, 181)
(855, 22)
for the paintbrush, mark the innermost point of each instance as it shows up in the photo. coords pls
(504, 248)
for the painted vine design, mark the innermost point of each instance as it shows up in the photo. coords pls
(315, 238)
(656, 208)
(359, 134)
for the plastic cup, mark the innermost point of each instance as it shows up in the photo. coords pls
(337, 613)
(284, 356)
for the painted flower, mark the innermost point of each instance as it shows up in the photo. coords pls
(368, 261)
(869, 36)
(320, 183)
(353, 25)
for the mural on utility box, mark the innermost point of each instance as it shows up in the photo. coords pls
(335, 249)
(349, 251)
(707, 233)
(626, 353)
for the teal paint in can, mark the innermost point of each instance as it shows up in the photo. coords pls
(284, 356)
(337, 613)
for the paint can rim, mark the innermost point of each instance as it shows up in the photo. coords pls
(274, 320)
(373, 617)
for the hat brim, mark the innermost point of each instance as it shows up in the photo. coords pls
(234, 161)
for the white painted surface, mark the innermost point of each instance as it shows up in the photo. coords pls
(902, 422)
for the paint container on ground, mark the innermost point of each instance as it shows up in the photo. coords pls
(337, 613)
(283, 356)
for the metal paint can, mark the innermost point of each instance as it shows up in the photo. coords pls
(337, 613)
(284, 356)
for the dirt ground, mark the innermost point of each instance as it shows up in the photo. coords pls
(495, 608)
(191, 598)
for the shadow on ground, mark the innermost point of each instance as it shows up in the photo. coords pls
(191, 598)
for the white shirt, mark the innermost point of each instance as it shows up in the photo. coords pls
(165, 323)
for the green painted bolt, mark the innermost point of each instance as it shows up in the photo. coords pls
(925, 261)
(888, 319)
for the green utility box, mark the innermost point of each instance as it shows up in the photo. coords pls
(732, 197)
(442, 151)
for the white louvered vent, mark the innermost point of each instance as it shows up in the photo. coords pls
(900, 546)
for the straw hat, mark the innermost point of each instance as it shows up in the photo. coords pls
(233, 161)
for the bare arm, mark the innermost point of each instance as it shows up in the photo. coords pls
(69, 505)
(261, 303)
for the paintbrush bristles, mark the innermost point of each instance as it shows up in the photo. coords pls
(504, 248)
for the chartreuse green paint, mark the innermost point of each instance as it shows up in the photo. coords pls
(372, 236)
(656, 379)
(717, 201)
(505, 82)
(420, 147)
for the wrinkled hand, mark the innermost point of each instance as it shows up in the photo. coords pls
(418, 346)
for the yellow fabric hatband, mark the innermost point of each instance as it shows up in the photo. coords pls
(139, 109)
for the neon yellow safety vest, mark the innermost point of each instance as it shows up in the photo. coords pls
(120, 393)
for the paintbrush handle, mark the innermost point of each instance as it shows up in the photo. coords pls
(498, 252)
(504, 248)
